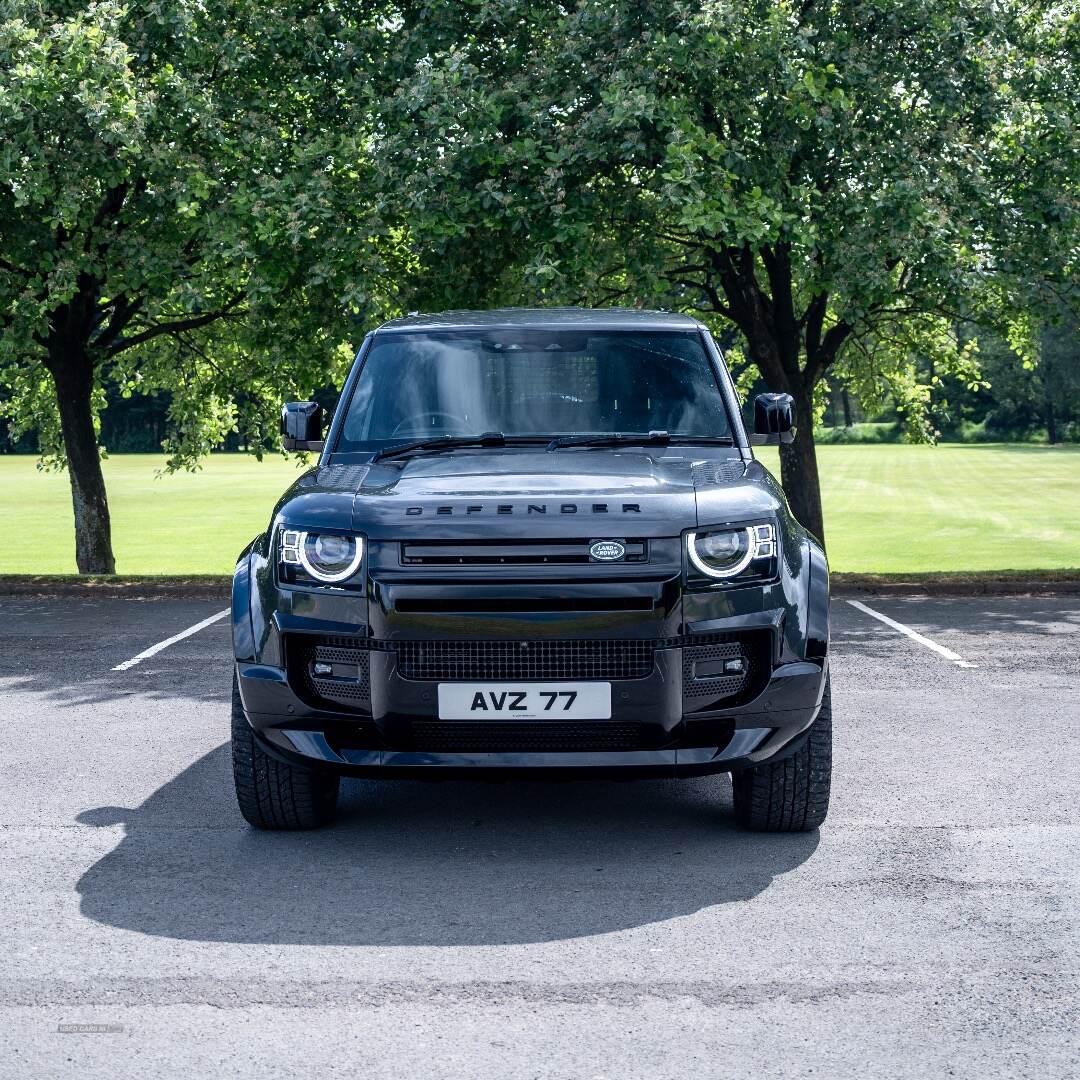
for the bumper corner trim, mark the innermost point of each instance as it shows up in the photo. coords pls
(744, 741)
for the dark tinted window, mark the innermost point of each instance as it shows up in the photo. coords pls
(424, 384)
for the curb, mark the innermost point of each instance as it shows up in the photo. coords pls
(217, 587)
(990, 583)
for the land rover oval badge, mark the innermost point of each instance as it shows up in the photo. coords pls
(607, 551)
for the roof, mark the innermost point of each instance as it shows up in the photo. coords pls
(545, 318)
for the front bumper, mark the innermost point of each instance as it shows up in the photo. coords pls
(669, 724)
(768, 727)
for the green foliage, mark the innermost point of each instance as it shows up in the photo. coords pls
(906, 364)
(842, 182)
(185, 198)
(860, 434)
(212, 200)
(1037, 399)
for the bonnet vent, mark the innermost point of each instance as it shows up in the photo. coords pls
(708, 473)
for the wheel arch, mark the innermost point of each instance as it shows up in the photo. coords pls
(243, 630)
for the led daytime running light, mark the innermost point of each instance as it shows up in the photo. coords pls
(760, 543)
(294, 553)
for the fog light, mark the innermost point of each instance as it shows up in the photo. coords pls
(322, 669)
(735, 667)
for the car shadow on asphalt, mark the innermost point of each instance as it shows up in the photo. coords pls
(436, 864)
(74, 694)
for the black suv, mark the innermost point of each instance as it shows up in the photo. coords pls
(535, 541)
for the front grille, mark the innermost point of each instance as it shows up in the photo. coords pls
(510, 552)
(467, 661)
(526, 604)
(523, 737)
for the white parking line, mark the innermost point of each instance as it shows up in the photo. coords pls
(155, 649)
(956, 658)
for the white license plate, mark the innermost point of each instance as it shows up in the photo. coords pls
(525, 701)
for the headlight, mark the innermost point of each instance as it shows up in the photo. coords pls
(725, 553)
(326, 557)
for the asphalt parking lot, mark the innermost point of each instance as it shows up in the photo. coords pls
(543, 930)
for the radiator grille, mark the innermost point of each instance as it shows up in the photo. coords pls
(510, 552)
(466, 661)
(549, 736)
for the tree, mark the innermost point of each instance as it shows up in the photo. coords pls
(1022, 396)
(170, 171)
(840, 180)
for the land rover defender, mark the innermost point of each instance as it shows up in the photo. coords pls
(535, 541)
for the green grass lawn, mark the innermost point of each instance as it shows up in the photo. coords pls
(888, 509)
(183, 523)
(896, 508)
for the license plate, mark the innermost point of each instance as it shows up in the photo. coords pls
(525, 701)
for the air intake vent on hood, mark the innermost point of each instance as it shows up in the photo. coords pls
(341, 477)
(716, 472)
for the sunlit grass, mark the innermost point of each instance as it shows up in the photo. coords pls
(896, 508)
(888, 509)
(182, 523)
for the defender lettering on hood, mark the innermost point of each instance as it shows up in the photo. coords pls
(528, 508)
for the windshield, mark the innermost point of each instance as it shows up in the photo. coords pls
(532, 383)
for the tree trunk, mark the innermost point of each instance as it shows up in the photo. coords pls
(73, 377)
(847, 409)
(799, 472)
(1048, 401)
(1051, 421)
(776, 339)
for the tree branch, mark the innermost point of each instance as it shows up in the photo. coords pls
(188, 344)
(124, 311)
(813, 321)
(786, 329)
(819, 360)
(11, 268)
(192, 323)
(710, 292)
(751, 311)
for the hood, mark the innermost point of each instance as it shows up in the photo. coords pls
(532, 494)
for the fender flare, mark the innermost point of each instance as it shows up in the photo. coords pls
(243, 631)
(817, 599)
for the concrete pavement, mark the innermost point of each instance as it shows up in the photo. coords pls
(543, 929)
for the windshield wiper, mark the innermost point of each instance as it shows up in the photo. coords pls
(497, 438)
(453, 442)
(653, 438)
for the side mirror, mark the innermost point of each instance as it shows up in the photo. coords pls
(301, 425)
(774, 420)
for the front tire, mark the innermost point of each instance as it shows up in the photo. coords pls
(791, 795)
(273, 794)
